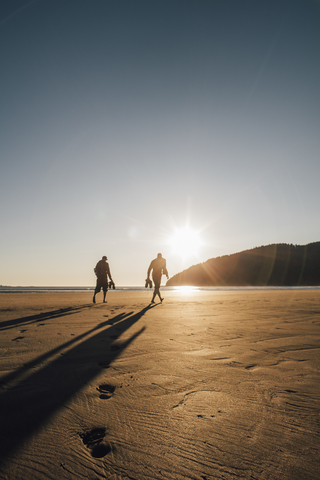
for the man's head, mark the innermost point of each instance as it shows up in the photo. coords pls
(104, 258)
(159, 255)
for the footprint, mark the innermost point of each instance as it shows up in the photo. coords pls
(248, 367)
(22, 331)
(95, 442)
(17, 339)
(106, 391)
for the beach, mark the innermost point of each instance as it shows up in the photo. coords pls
(207, 385)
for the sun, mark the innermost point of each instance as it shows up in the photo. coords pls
(185, 242)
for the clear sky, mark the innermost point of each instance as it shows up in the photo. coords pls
(123, 120)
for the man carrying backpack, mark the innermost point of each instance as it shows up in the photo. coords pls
(102, 271)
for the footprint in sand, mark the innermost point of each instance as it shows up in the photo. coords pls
(17, 339)
(94, 440)
(248, 367)
(106, 391)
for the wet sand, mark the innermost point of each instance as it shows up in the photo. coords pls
(207, 385)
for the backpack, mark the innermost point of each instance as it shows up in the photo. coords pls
(97, 269)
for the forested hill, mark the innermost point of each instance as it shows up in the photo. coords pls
(271, 265)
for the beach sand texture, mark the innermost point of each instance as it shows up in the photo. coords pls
(208, 385)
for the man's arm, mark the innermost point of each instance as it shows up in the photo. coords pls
(165, 271)
(109, 273)
(149, 269)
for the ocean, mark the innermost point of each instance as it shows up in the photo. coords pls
(31, 289)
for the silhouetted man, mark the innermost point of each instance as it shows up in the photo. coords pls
(102, 271)
(158, 267)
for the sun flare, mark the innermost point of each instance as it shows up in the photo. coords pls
(185, 242)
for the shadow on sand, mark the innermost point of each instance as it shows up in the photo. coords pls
(27, 405)
(41, 317)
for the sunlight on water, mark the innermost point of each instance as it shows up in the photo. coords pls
(186, 289)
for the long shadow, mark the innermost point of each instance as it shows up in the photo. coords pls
(10, 377)
(41, 317)
(25, 407)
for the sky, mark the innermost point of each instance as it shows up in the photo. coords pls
(123, 121)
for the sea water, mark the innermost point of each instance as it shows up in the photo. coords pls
(31, 289)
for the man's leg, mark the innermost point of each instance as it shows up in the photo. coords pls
(97, 290)
(104, 295)
(95, 293)
(159, 294)
(154, 294)
(156, 289)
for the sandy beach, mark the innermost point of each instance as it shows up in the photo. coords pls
(207, 385)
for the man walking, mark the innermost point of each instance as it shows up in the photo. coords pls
(102, 271)
(158, 267)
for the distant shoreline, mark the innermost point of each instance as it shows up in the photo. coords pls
(32, 289)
